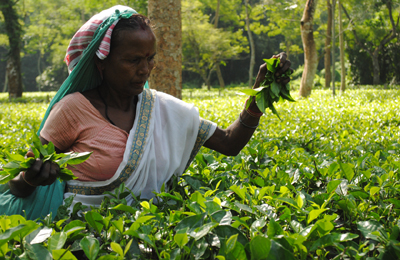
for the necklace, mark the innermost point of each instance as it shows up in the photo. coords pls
(106, 107)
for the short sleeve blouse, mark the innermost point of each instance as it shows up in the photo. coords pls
(74, 124)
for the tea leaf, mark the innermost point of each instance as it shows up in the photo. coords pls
(259, 247)
(90, 246)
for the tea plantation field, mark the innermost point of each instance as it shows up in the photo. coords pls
(323, 183)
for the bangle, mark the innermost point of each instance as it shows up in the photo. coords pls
(251, 112)
(27, 182)
(243, 124)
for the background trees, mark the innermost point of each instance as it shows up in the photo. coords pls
(13, 29)
(205, 46)
(373, 27)
(229, 37)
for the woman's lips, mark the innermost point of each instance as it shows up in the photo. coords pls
(139, 84)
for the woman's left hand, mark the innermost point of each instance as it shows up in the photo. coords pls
(284, 66)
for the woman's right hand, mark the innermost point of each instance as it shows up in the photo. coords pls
(41, 173)
(284, 65)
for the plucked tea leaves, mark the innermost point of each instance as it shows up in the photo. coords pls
(270, 90)
(17, 163)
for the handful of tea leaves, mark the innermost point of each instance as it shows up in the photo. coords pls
(270, 91)
(15, 163)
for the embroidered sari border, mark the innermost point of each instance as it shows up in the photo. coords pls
(135, 154)
(204, 130)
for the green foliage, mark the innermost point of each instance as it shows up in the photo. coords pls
(15, 163)
(204, 46)
(322, 183)
(270, 90)
(372, 23)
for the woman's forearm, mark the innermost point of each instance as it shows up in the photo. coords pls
(232, 140)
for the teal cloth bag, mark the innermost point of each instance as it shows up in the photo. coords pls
(85, 76)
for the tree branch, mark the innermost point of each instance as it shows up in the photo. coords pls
(354, 31)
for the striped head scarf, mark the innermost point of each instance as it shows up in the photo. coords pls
(84, 36)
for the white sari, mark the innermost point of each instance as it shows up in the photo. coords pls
(164, 139)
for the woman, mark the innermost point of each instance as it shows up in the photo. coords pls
(104, 107)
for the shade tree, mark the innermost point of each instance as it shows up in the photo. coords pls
(371, 27)
(204, 46)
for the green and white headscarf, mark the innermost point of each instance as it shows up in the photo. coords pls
(93, 38)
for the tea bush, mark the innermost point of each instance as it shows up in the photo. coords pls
(323, 183)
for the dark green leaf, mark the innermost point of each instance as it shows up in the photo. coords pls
(95, 220)
(259, 248)
(278, 252)
(231, 243)
(367, 227)
(74, 226)
(57, 241)
(274, 229)
(275, 88)
(90, 246)
(50, 148)
(20, 230)
(331, 238)
(37, 252)
(332, 185)
(225, 232)
(191, 222)
(66, 175)
(195, 183)
(199, 248)
(200, 232)
(261, 99)
(272, 64)
(74, 158)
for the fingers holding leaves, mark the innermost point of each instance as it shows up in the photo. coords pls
(42, 173)
(53, 173)
(261, 75)
(45, 169)
(284, 70)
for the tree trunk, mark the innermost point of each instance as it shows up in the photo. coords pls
(310, 51)
(217, 67)
(216, 18)
(288, 45)
(375, 65)
(13, 29)
(5, 82)
(341, 40)
(328, 40)
(252, 46)
(167, 74)
(220, 78)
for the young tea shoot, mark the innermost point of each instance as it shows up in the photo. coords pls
(16, 163)
(270, 91)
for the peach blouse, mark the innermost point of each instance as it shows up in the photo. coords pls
(74, 124)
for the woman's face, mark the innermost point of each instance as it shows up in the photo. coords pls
(130, 62)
